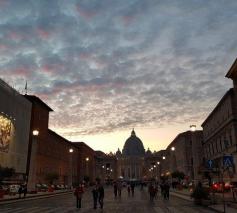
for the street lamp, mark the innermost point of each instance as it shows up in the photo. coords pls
(32, 171)
(193, 128)
(163, 157)
(172, 148)
(70, 168)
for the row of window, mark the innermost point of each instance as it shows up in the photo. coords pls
(218, 144)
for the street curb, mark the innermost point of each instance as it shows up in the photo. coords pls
(42, 196)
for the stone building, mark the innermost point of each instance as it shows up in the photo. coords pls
(131, 162)
(15, 113)
(220, 132)
(85, 161)
(106, 166)
(184, 154)
(48, 151)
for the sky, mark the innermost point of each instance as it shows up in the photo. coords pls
(108, 66)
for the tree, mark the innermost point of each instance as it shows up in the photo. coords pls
(51, 177)
(6, 172)
(179, 175)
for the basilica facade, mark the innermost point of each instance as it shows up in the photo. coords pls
(131, 161)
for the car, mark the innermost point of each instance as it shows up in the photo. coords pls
(13, 189)
(219, 186)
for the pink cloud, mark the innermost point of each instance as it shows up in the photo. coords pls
(51, 68)
(85, 13)
(127, 20)
(21, 71)
(15, 36)
(43, 34)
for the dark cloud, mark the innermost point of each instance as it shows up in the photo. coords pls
(112, 65)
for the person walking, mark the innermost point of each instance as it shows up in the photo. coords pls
(166, 191)
(115, 189)
(79, 193)
(120, 188)
(101, 195)
(129, 189)
(20, 191)
(24, 190)
(95, 195)
(132, 188)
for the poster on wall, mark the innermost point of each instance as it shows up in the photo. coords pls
(5, 133)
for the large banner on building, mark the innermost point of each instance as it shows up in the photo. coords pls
(5, 133)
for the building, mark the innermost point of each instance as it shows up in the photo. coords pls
(15, 114)
(48, 151)
(184, 154)
(106, 166)
(220, 133)
(86, 162)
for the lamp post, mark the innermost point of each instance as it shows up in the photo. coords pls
(87, 159)
(70, 181)
(32, 172)
(194, 151)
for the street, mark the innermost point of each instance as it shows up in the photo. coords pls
(137, 204)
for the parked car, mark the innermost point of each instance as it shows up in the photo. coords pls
(13, 189)
(41, 187)
(220, 186)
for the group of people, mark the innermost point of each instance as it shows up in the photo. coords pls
(97, 194)
(118, 188)
(164, 189)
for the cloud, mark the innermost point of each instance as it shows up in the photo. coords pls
(107, 65)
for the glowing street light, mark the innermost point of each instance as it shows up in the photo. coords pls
(163, 157)
(87, 159)
(172, 148)
(71, 150)
(158, 162)
(193, 128)
(35, 132)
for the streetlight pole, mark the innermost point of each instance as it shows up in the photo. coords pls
(193, 139)
(31, 181)
(70, 168)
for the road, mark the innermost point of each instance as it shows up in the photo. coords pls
(137, 204)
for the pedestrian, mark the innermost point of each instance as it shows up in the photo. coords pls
(151, 190)
(101, 194)
(79, 193)
(95, 195)
(24, 190)
(20, 191)
(132, 188)
(166, 191)
(129, 189)
(119, 188)
(115, 189)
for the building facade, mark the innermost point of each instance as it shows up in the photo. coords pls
(48, 151)
(184, 154)
(220, 133)
(15, 114)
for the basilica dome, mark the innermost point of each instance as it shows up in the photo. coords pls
(133, 146)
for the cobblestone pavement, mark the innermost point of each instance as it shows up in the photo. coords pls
(137, 204)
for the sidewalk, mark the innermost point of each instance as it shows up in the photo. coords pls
(15, 198)
(219, 207)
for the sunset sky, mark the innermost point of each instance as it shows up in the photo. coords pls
(107, 66)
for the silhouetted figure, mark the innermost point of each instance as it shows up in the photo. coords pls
(101, 195)
(151, 190)
(120, 188)
(24, 190)
(129, 189)
(95, 195)
(79, 193)
(166, 191)
(115, 189)
(132, 188)
(20, 191)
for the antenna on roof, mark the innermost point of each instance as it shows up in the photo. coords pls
(26, 88)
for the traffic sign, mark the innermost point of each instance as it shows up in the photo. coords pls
(210, 164)
(228, 161)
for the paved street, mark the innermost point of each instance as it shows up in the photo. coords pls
(139, 203)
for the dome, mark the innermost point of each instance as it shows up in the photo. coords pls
(133, 146)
